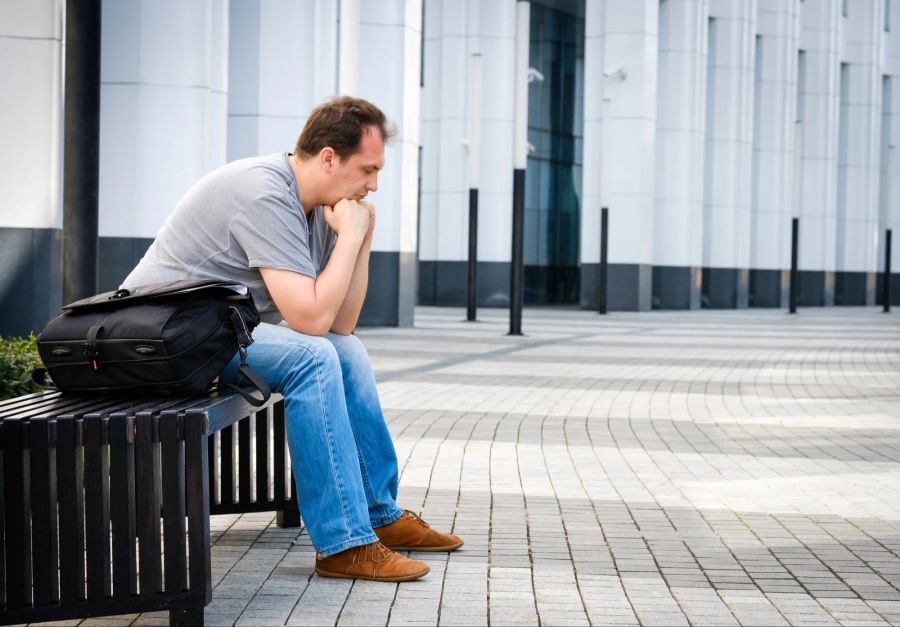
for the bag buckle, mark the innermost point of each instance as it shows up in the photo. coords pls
(89, 347)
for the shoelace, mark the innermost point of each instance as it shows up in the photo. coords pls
(417, 518)
(379, 552)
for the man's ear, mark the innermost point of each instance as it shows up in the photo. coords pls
(327, 158)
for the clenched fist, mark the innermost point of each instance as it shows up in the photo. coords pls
(349, 217)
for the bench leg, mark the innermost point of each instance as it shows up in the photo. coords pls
(186, 617)
(288, 518)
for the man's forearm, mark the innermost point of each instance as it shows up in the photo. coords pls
(348, 314)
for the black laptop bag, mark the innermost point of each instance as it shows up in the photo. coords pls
(167, 338)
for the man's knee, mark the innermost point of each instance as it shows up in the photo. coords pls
(351, 352)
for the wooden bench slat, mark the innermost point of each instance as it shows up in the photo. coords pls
(96, 507)
(278, 446)
(16, 514)
(196, 493)
(262, 456)
(148, 507)
(244, 461)
(43, 512)
(69, 483)
(226, 463)
(122, 505)
(173, 484)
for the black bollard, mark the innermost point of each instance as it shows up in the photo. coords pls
(472, 295)
(886, 288)
(517, 271)
(602, 271)
(795, 276)
(81, 149)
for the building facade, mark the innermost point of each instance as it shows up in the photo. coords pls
(705, 127)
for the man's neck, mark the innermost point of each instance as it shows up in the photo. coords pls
(305, 183)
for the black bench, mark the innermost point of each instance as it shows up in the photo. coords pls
(105, 502)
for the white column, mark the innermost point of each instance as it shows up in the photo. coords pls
(820, 38)
(631, 59)
(729, 151)
(592, 159)
(31, 74)
(775, 105)
(857, 214)
(680, 127)
(283, 62)
(348, 52)
(453, 32)
(390, 63)
(890, 213)
(31, 45)
(163, 107)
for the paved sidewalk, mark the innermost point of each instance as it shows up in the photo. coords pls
(665, 468)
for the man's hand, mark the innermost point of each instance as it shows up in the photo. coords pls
(371, 209)
(349, 217)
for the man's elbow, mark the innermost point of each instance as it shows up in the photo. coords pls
(342, 329)
(318, 325)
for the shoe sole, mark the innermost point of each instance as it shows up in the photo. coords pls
(428, 549)
(323, 573)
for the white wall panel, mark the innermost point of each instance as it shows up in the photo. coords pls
(30, 125)
(681, 104)
(164, 110)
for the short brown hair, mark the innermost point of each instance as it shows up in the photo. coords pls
(339, 123)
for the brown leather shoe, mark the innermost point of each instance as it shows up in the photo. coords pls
(411, 533)
(374, 562)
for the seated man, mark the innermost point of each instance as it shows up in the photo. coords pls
(295, 229)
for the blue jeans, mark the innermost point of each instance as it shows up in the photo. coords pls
(344, 463)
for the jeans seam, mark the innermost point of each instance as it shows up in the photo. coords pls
(338, 483)
(348, 544)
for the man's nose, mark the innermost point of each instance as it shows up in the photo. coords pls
(372, 185)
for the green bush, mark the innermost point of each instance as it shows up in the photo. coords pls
(18, 357)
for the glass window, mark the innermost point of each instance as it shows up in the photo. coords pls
(555, 130)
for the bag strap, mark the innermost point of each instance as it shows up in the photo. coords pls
(244, 370)
(40, 380)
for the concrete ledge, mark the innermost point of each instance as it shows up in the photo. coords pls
(726, 288)
(769, 288)
(444, 283)
(31, 280)
(676, 287)
(854, 288)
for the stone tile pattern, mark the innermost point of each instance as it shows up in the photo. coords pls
(703, 468)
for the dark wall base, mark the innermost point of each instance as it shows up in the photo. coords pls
(895, 289)
(390, 300)
(769, 288)
(676, 287)
(726, 288)
(118, 257)
(31, 280)
(628, 287)
(816, 288)
(444, 283)
(854, 288)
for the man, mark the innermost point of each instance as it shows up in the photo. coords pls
(295, 229)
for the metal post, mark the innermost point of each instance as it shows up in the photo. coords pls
(472, 299)
(520, 161)
(886, 288)
(795, 276)
(602, 272)
(474, 145)
(81, 158)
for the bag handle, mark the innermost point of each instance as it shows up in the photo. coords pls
(255, 380)
(244, 370)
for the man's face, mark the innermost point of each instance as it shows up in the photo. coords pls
(357, 175)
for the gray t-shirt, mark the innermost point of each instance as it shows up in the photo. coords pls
(237, 219)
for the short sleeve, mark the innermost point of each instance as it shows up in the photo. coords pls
(273, 234)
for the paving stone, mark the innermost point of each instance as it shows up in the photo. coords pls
(710, 467)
